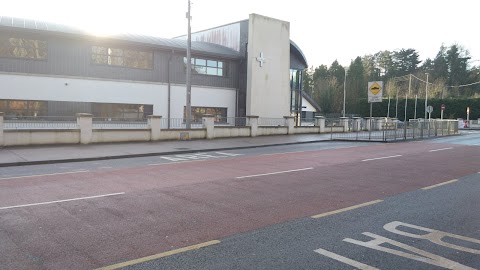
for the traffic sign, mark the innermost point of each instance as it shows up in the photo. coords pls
(375, 91)
(429, 109)
(443, 107)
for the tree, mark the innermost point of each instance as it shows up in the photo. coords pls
(356, 85)
(404, 61)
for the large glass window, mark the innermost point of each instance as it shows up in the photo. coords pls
(23, 107)
(198, 112)
(206, 66)
(23, 48)
(122, 57)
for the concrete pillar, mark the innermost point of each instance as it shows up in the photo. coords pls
(394, 123)
(344, 123)
(320, 122)
(155, 125)
(252, 122)
(2, 140)
(208, 123)
(370, 123)
(357, 124)
(84, 121)
(379, 122)
(290, 123)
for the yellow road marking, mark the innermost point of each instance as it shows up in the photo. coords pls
(441, 184)
(346, 209)
(160, 255)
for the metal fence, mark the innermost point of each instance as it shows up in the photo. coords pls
(231, 121)
(180, 123)
(262, 121)
(307, 122)
(398, 130)
(43, 122)
(119, 123)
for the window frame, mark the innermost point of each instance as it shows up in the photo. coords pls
(109, 55)
(30, 39)
(222, 63)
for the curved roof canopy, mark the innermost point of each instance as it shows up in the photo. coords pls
(298, 53)
(164, 43)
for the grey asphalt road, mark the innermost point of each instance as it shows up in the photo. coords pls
(328, 242)
(143, 161)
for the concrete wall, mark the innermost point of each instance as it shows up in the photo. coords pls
(307, 130)
(38, 137)
(175, 134)
(268, 86)
(117, 135)
(265, 131)
(225, 132)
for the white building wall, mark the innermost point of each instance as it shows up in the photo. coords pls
(203, 97)
(30, 87)
(307, 105)
(268, 86)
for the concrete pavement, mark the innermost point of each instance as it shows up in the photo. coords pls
(30, 155)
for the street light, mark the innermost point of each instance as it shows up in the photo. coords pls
(344, 90)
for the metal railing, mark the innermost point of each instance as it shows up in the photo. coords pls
(40, 122)
(306, 122)
(119, 123)
(332, 122)
(231, 121)
(262, 121)
(180, 123)
(398, 130)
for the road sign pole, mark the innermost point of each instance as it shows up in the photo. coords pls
(441, 115)
(371, 109)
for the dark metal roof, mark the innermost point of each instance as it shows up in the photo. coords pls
(296, 50)
(10, 23)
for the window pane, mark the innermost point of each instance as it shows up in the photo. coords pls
(211, 71)
(211, 63)
(220, 72)
(220, 64)
(200, 62)
(200, 70)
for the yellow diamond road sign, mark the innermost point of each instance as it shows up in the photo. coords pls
(375, 91)
(375, 88)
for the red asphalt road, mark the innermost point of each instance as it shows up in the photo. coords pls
(170, 206)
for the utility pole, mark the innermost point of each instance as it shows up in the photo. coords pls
(344, 90)
(189, 71)
(426, 98)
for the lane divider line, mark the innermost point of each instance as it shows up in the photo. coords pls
(38, 175)
(346, 209)
(272, 173)
(59, 201)
(441, 184)
(369, 159)
(436, 150)
(160, 255)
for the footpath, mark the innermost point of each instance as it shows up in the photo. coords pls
(51, 154)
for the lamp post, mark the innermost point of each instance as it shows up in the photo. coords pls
(189, 72)
(426, 98)
(344, 90)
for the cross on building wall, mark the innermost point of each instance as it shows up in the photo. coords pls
(261, 59)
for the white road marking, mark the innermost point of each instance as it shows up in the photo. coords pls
(433, 236)
(345, 260)
(369, 159)
(346, 209)
(38, 175)
(263, 174)
(59, 201)
(228, 154)
(412, 254)
(441, 149)
(441, 184)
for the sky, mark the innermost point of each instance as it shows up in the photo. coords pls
(324, 30)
